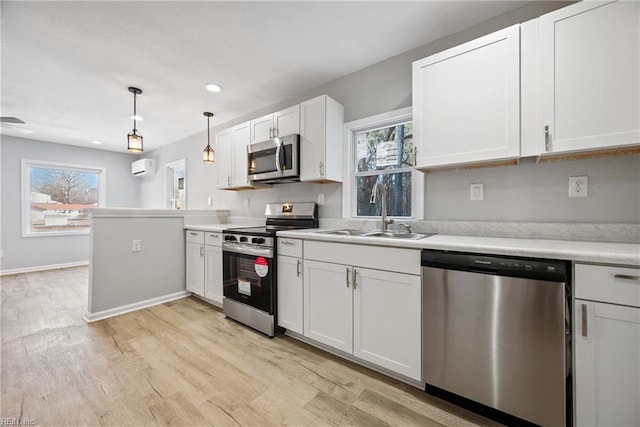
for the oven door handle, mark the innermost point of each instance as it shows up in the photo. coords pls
(247, 250)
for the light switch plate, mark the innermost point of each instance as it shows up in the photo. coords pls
(476, 192)
(136, 245)
(321, 199)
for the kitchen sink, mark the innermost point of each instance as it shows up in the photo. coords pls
(377, 233)
(345, 232)
(397, 235)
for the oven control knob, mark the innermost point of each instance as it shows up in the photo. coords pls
(257, 240)
(230, 238)
(243, 239)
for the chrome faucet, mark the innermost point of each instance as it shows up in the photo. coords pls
(383, 213)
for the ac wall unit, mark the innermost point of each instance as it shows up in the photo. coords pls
(142, 167)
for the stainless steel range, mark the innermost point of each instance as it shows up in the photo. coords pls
(249, 265)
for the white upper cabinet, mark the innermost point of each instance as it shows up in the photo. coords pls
(224, 155)
(466, 102)
(281, 123)
(241, 139)
(321, 123)
(231, 156)
(590, 74)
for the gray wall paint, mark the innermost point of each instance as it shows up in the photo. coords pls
(119, 277)
(527, 192)
(22, 253)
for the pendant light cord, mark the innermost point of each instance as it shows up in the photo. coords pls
(134, 112)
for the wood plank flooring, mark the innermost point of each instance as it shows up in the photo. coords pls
(180, 363)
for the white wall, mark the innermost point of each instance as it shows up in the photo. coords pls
(22, 253)
(527, 192)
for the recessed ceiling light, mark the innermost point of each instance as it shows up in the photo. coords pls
(212, 87)
(96, 142)
(138, 118)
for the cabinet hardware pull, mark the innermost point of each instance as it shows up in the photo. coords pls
(321, 169)
(270, 133)
(201, 250)
(193, 234)
(415, 156)
(348, 274)
(585, 330)
(355, 278)
(286, 242)
(298, 268)
(626, 276)
(547, 138)
(213, 235)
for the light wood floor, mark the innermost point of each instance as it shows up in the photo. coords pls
(180, 363)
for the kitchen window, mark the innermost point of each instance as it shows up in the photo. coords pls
(175, 183)
(56, 197)
(380, 150)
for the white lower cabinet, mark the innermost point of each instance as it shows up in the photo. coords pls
(195, 268)
(607, 346)
(290, 293)
(213, 273)
(387, 320)
(328, 301)
(374, 315)
(204, 265)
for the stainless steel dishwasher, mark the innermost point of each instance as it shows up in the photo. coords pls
(496, 331)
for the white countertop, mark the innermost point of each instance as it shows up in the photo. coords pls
(593, 252)
(214, 227)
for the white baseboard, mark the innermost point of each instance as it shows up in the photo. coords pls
(42, 268)
(92, 317)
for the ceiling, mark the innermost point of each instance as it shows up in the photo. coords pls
(66, 66)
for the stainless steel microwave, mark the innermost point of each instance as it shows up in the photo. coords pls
(274, 161)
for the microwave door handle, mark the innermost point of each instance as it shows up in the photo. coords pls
(278, 157)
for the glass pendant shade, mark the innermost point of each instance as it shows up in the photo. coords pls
(134, 139)
(208, 154)
(134, 142)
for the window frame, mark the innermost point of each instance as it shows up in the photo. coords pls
(25, 191)
(349, 202)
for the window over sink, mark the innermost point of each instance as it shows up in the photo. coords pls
(380, 150)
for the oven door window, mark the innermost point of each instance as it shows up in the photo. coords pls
(249, 279)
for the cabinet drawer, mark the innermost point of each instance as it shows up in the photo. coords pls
(376, 257)
(213, 238)
(290, 247)
(195, 236)
(617, 285)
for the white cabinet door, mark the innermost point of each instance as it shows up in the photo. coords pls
(195, 268)
(387, 320)
(213, 273)
(224, 157)
(590, 63)
(261, 128)
(321, 123)
(290, 293)
(287, 121)
(241, 139)
(328, 313)
(466, 102)
(607, 371)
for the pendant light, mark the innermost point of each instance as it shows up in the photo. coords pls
(208, 154)
(134, 139)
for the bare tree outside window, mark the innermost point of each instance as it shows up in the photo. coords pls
(57, 198)
(385, 155)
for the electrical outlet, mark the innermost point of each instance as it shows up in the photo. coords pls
(209, 200)
(321, 199)
(247, 203)
(136, 245)
(476, 192)
(578, 186)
